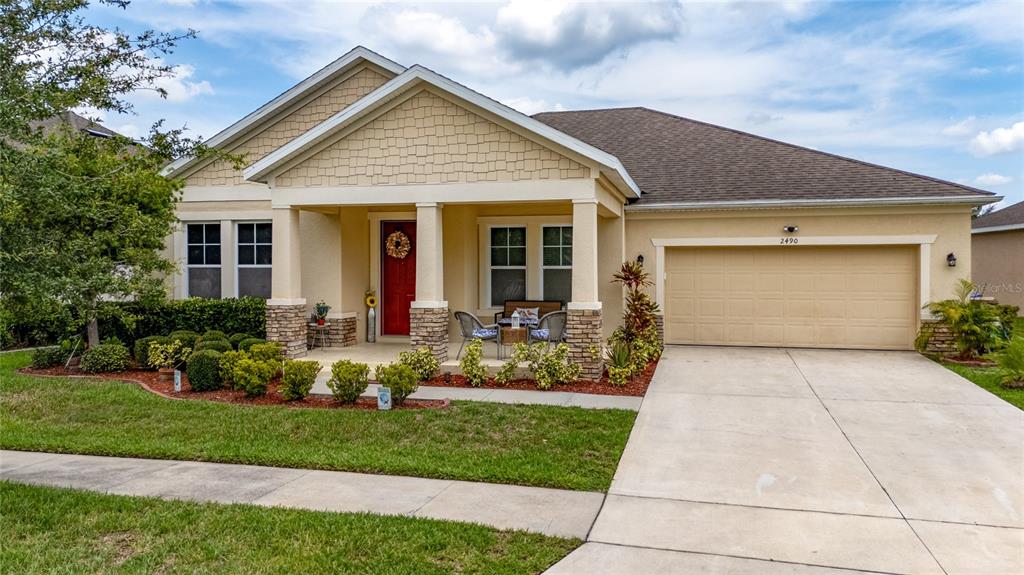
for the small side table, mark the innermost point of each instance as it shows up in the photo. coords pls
(319, 332)
(510, 336)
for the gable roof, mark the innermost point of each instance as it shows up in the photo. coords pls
(77, 122)
(1008, 218)
(351, 59)
(680, 162)
(260, 170)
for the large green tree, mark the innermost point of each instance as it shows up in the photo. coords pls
(82, 218)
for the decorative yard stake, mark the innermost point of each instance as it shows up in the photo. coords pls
(384, 398)
(177, 380)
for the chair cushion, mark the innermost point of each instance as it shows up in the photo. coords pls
(528, 313)
(540, 333)
(484, 333)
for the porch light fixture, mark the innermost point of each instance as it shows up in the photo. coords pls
(951, 260)
(790, 229)
(640, 259)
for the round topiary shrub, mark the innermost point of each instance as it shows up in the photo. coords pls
(50, 356)
(348, 380)
(204, 370)
(399, 378)
(142, 348)
(220, 345)
(106, 357)
(237, 338)
(245, 344)
(298, 379)
(187, 338)
(214, 334)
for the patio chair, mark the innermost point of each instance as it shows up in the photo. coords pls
(472, 328)
(550, 328)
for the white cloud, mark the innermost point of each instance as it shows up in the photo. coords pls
(961, 128)
(530, 106)
(998, 141)
(178, 85)
(992, 180)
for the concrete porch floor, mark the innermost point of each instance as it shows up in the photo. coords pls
(386, 350)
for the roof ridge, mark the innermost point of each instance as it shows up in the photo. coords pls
(820, 152)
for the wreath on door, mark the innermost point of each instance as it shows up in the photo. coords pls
(398, 244)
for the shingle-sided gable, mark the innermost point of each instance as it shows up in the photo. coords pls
(284, 129)
(429, 139)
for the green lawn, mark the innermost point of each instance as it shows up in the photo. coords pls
(988, 378)
(562, 447)
(49, 530)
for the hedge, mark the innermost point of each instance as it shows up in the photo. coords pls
(229, 315)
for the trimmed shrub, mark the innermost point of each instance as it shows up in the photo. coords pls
(422, 361)
(400, 379)
(549, 365)
(220, 345)
(187, 338)
(267, 351)
(204, 370)
(142, 348)
(214, 334)
(1011, 363)
(106, 357)
(228, 360)
(236, 338)
(49, 356)
(348, 380)
(252, 376)
(472, 367)
(230, 315)
(245, 344)
(298, 378)
(171, 354)
(973, 324)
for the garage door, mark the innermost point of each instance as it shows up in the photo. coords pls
(799, 296)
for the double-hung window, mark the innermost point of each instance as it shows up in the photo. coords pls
(255, 248)
(556, 263)
(508, 264)
(203, 263)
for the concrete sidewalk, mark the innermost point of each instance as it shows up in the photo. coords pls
(548, 511)
(556, 398)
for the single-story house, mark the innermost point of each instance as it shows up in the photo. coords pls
(750, 241)
(997, 254)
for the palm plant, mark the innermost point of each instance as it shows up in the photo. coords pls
(1011, 363)
(974, 325)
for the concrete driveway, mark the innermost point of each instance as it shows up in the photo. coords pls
(767, 461)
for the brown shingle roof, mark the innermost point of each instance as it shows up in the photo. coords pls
(676, 160)
(1008, 216)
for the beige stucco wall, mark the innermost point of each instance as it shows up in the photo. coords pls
(288, 126)
(997, 265)
(951, 224)
(427, 139)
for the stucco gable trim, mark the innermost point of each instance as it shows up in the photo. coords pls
(822, 203)
(272, 163)
(990, 229)
(350, 60)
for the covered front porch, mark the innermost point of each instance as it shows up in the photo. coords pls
(458, 256)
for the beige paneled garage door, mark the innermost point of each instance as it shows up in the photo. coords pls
(799, 296)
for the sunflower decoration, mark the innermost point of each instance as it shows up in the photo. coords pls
(398, 245)
(371, 299)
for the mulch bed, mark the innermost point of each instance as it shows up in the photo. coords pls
(150, 381)
(637, 386)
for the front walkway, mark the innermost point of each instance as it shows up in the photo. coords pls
(771, 461)
(549, 511)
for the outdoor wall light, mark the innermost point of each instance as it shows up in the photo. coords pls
(790, 229)
(951, 260)
(640, 259)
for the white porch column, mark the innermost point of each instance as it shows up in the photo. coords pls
(227, 258)
(583, 321)
(428, 317)
(286, 310)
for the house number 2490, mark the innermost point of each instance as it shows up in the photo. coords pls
(789, 241)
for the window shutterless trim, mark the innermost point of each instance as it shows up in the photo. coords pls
(188, 266)
(526, 258)
(238, 243)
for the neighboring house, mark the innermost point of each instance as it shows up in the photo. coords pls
(750, 241)
(997, 254)
(77, 122)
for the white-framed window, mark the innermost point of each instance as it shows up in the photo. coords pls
(556, 263)
(203, 260)
(507, 263)
(254, 258)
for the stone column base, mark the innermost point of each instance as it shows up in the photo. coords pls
(341, 332)
(941, 340)
(428, 327)
(286, 324)
(585, 337)
(659, 320)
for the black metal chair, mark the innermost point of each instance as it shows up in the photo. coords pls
(472, 328)
(550, 328)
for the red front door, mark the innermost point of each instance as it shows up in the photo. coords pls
(398, 279)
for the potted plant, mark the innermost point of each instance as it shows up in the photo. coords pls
(320, 312)
(166, 357)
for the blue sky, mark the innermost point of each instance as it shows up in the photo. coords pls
(935, 88)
